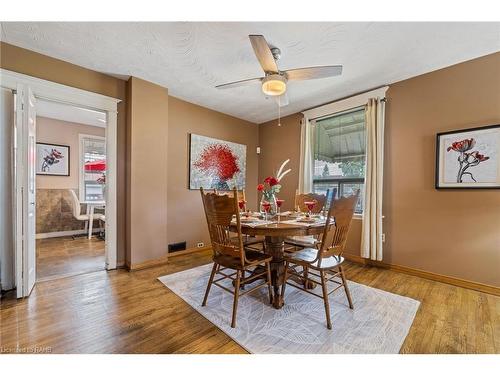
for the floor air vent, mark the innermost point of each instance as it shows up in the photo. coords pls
(179, 246)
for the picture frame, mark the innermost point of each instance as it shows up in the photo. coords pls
(52, 159)
(207, 172)
(468, 158)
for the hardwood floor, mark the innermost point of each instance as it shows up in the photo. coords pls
(64, 256)
(132, 312)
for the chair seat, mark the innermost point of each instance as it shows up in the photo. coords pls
(253, 257)
(99, 217)
(81, 217)
(302, 241)
(308, 257)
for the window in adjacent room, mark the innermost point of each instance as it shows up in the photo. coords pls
(92, 167)
(340, 154)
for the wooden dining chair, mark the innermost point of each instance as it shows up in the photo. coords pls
(232, 255)
(257, 243)
(320, 200)
(324, 265)
(299, 242)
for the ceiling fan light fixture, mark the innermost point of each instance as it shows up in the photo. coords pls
(274, 85)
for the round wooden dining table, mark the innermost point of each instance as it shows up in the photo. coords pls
(275, 234)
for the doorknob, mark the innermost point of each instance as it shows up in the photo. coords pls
(32, 203)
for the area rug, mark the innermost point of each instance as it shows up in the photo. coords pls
(379, 322)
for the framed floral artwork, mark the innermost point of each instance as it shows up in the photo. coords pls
(468, 158)
(216, 164)
(52, 159)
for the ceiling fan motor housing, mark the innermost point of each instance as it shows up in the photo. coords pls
(276, 53)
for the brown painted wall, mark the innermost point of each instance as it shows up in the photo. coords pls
(34, 64)
(278, 143)
(186, 220)
(147, 149)
(453, 233)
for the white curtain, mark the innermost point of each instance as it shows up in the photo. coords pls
(371, 237)
(306, 156)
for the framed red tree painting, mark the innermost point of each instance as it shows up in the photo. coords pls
(468, 158)
(216, 164)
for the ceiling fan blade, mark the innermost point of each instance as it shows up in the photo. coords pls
(243, 82)
(313, 72)
(263, 53)
(282, 100)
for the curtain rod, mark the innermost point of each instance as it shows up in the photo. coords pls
(349, 103)
(347, 97)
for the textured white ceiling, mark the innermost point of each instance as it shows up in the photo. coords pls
(191, 58)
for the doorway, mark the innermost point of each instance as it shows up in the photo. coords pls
(28, 92)
(70, 190)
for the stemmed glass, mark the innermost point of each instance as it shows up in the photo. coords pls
(310, 206)
(241, 205)
(266, 206)
(279, 202)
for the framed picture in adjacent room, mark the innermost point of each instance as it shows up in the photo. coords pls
(468, 158)
(52, 159)
(216, 164)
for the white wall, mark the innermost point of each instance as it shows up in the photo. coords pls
(6, 216)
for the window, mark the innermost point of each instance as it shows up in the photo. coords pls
(340, 154)
(92, 167)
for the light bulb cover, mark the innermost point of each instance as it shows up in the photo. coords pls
(274, 85)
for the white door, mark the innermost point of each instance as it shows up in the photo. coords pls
(26, 191)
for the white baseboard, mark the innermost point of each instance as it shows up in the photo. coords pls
(65, 233)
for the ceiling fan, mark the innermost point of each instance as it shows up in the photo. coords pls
(275, 80)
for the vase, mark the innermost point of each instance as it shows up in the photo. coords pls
(271, 198)
(219, 184)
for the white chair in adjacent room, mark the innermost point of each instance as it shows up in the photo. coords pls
(77, 210)
(77, 207)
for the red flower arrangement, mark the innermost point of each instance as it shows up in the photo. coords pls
(271, 187)
(271, 181)
(219, 161)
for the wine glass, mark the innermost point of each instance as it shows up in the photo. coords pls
(266, 206)
(241, 205)
(310, 206)
(279, 202)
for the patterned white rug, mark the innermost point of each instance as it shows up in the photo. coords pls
(379, 322)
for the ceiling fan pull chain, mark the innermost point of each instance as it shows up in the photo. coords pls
(279, 110)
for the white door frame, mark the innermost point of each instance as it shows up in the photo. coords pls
(52, 91)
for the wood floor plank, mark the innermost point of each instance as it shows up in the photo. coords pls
(65, 256)
(132, 312)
